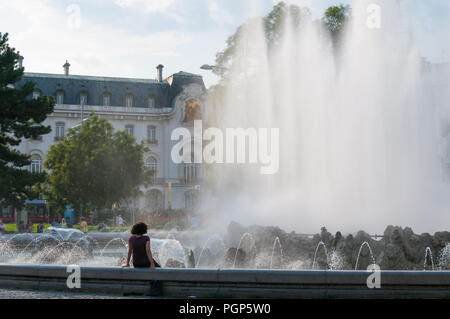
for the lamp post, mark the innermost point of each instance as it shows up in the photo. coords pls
(82, 115)
(82, 110)
(208, 67)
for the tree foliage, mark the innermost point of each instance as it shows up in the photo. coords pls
(95, 167)
(21, 117)
(334, 20)
(273, 25)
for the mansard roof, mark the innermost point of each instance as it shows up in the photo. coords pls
(95, 86)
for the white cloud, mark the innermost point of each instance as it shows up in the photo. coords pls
(147, 5)
(219, 14)
(45, 38)
(301, 3)
(167, 7)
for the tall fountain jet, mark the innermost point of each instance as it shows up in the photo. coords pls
(361, 126)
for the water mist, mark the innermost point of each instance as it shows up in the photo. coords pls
(362, 128)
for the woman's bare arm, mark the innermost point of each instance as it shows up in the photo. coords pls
(130, 251)
(149, 255)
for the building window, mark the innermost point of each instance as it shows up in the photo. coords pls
(60, 127)
(129, 100)
(152, 165)
(36, 164)
(190, 173)
(154, 202)
(59, 97)
(106, 99)
(129, 129)
(151, 134)
(83, 98)
(191, 200)
(151, 102)
(36, 94)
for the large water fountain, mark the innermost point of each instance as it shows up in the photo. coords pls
(363, 129)
(254, 247)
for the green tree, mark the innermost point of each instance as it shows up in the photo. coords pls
(21, 117)
(335, 18)
(95, 167)
(273, 24)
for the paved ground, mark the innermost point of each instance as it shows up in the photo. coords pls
(34, 294)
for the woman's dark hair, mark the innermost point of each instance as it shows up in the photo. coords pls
(139, 229)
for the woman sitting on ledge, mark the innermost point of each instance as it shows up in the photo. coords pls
(139, 247)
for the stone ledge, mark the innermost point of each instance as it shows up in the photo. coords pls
(233, 283)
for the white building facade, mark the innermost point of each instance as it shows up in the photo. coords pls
(147, 109)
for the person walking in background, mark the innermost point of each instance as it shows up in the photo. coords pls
(120, 221)
(69, 216)
(21, 227)
(2, 227)
(30, 227)
(41, 228)
(139, 247)
(83, 226)
(102, 227)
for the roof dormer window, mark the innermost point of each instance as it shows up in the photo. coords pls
(129, 100)
(106, 99)
(83, 98)
(151, 102)
(60, 97)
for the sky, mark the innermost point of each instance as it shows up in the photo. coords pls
(129, 38)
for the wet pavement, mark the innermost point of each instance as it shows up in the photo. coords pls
(35, 294)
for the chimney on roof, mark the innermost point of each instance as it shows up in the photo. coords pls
(160, 72)
(66, 68)
(21, 61)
